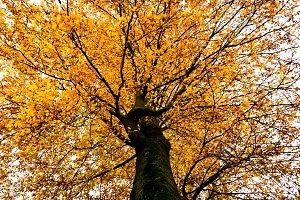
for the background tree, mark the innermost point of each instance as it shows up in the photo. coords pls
(222, 77)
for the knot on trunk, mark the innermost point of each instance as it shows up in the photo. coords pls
(142, 122)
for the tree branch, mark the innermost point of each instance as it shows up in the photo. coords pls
(76, 40)
(109, 170)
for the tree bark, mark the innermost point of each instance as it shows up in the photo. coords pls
(153, 179)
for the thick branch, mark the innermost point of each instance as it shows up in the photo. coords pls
(126, 32)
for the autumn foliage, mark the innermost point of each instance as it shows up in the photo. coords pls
(226, 72)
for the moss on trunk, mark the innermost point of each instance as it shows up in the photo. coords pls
(154, 178)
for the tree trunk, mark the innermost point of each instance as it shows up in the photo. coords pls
(153, 179)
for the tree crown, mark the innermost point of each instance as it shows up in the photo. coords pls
(222, 77)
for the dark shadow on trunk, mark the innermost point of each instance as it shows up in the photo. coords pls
(154, 179)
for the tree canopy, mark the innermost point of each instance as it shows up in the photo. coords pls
(225, 75)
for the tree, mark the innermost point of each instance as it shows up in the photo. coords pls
(98, 97)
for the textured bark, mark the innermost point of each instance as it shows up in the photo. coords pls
(154, 178)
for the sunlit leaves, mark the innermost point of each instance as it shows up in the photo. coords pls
(229, 68)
